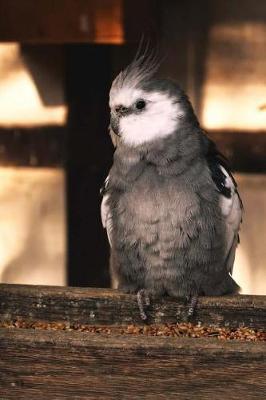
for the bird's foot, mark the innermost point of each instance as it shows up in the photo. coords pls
(192, 305)
(128, 288)
(143, 299)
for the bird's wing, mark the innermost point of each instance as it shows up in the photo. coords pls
(231, 208)
(230, 202)
(106, 215)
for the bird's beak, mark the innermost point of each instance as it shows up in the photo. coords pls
(114, 123)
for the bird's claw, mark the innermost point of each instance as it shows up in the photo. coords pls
(143, 300)
(193, 300)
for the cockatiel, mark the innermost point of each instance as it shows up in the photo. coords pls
(170, 204)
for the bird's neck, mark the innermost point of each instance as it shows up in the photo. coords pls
(169, 157)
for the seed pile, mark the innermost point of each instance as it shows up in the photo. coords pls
(163, 330)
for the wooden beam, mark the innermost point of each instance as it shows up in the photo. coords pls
(110, 307)
(61, 21)
(246, 151)
(45, 146)
(66, 365)
(75, 21)
(33, 147)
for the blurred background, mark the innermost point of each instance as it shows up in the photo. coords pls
(57, 61)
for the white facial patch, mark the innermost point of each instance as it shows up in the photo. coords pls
(157, 120)
(125, 97)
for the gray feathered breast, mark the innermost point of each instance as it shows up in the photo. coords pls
(173, 221)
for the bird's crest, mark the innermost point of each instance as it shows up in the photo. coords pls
(143, 67)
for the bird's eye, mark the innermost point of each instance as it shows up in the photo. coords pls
(140, 104)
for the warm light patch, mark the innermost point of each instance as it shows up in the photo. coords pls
(249, 269)
(32, 226)
(20, 103)
(235, 84)
(241, 272)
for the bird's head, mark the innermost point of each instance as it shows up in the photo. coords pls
(144, 109)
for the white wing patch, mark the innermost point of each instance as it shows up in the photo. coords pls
(231, 209)
(106, 215)
(104, 210)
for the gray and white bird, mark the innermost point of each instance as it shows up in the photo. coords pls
(170, 204)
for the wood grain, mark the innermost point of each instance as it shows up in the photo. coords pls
(71, 365)
(111, 307)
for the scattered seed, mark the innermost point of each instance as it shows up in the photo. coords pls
(174, 330)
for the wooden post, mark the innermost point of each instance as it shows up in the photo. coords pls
(89, 154)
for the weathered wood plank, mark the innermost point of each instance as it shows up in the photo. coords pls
(71, 365)
(110, 307)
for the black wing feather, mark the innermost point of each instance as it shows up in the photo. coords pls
(215, 160)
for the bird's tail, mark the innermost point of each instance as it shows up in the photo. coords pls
(226, 286)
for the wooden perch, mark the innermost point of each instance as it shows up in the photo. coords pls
(70, 365)
(66, 364)
(111, 307)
